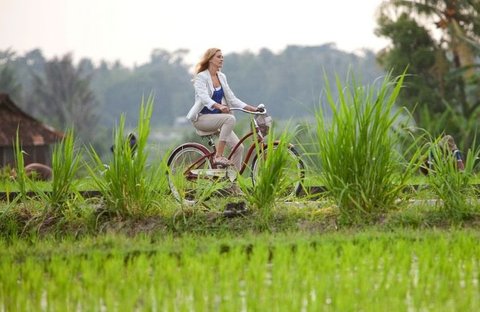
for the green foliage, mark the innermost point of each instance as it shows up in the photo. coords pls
(412, 48)
(63, 97)
(65, 164)
(165, 76)
(9, 83)
(450, 121)
(405, 270)
(21, 179)
(363, 168)
(128, 184)
(271, 175)
(438, 41)
(306, 141)
(452, 186)
(6, 173)
(201, 189)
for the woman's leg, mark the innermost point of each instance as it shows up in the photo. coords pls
(220, 147)
(214, 122)
(237, 156)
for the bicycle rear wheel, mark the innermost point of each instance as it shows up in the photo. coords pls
(293, 172)
(184, 164)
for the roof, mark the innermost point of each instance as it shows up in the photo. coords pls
(31, 131)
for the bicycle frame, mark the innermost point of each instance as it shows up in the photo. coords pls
(199, 161)
(260, 140)
(210, 153)
(251, 148)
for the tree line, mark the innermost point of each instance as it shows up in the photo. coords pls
(92, 97)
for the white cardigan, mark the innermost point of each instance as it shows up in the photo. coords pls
(203, 85)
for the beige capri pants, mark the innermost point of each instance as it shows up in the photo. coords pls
(224, 122)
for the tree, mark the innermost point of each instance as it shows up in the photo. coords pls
(8, 78)
(64, 98)
(9, 83)
(413, 48)
(165, 77)
(438, 41)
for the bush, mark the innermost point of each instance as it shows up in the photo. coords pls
(364, 168)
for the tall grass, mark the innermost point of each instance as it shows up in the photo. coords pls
(21, 179)
(273, 179)
(453, 187)
(65, 164)
(363, 166)
(128, 184)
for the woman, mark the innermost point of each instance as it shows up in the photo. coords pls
(211, 111)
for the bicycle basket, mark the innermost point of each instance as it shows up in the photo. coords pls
(264, 123)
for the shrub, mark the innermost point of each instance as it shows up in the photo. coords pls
(128, 184)
(363, 167)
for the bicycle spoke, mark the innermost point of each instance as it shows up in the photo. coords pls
(184, 164)
(292, 175)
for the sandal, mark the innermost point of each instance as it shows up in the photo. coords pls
(222, 161)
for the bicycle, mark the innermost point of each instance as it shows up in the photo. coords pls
(192, 162)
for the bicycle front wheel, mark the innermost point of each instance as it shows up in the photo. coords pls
(184, 164)
(292, 175)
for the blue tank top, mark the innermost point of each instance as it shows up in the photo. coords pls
(217, 96)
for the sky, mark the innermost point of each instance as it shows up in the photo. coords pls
(129, 30)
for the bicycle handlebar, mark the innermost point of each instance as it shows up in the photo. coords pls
(250, 112)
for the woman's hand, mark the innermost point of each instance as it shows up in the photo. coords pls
(251, 108)
(223, 108)
(260, 108)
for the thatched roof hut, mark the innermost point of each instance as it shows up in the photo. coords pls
(35, 138)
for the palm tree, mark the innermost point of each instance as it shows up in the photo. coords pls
(9, 83)
(456, 22)
(8, 77)
(453, 27)
(64, 97)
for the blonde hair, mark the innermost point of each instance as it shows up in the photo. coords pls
(207, 56)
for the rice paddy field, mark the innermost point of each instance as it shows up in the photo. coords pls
(368, 271)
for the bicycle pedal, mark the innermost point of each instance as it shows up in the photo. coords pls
(231, 174)
(221, 165)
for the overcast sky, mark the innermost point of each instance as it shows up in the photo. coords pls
(128, 30)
